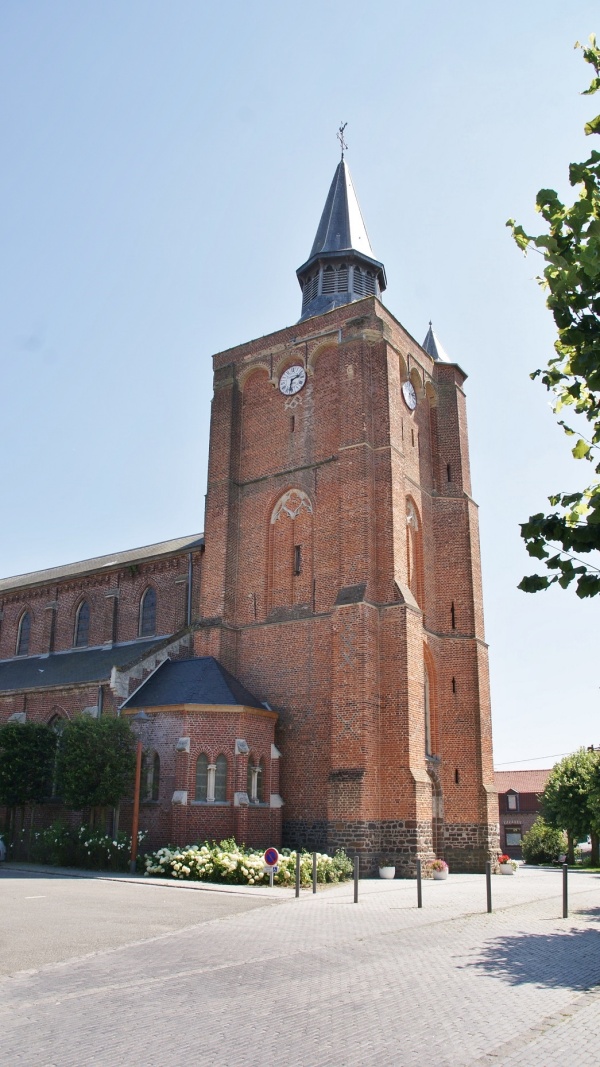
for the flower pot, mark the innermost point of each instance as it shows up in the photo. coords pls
(506, 868)
(387, 872)
(439, 876)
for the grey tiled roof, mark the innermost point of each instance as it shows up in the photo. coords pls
(201, 680)
(432, 346)
(342, 225)
(70, 668)
(103, 563)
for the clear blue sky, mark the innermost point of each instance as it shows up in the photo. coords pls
(164, 169)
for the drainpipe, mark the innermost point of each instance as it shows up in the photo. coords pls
(189, 589)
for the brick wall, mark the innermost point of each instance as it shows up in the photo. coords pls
(338, 649)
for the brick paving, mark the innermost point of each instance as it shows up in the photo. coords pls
(321, 980)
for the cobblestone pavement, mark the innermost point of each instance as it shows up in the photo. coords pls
(324, 981)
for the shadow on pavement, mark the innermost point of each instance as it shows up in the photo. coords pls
(570, 960)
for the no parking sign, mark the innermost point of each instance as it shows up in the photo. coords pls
(271, 859)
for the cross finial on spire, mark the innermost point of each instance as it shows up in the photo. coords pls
(340, 137)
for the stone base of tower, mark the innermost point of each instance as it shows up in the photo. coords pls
(467, 846)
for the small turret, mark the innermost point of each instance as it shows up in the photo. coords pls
(432, 346)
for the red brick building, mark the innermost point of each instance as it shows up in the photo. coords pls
(338, 581)
(518, 805)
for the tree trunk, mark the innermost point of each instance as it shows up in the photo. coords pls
(570, 848)
(594, 854)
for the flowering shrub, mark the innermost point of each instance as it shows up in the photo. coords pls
(438, 865)
(64, 846)
(231, 864)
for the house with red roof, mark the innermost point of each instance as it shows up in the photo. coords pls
(519, 805)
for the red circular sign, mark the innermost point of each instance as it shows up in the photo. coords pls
(271, 857)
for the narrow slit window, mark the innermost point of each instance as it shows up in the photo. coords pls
(298, 559)
(454, 685)
(148, 613)
(412, 434)
(202, 777)
(449, 472)
(456, 776)
(292, 423)
(221, 778)
(453, 616)
(23, 634)
(82, 626)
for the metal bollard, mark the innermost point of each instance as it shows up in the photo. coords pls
(488, 884)
(298, 873)
(356, 877)
(419, 886)
(314, 872)
(565, 891)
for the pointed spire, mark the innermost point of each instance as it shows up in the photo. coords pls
(432, 346)
(341, 267)
(342, 225)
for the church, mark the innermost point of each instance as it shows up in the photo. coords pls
(312, 669)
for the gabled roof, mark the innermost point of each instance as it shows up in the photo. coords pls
(201, 680)
(521, 781)
(432, 346)
(71, 668)
(103, 563)
(342, 225)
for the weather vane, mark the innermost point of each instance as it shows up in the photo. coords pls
(340, 137)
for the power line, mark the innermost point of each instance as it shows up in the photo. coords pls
(533, 759)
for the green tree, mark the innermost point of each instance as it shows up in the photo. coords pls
(27, 754)
(567, 800)
(571, 278)
(96, 762)
(543, 843)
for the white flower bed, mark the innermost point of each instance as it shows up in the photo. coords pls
(231, 864)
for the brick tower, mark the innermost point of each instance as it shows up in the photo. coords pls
(341, 580)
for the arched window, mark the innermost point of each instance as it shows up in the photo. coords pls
(427, 705)
(150, 777)
(414, 552)
(148, 613)
(202, 777)
(290, 551)
(82, 625)
(430, 723)
(220, 790)
(23, 634)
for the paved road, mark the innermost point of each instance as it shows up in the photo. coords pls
(321, 980)
(48, 919)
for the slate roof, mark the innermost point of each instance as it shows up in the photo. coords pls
(102, 563)
(433, 347)
(521, 781)
(342, 225)
(71, 668)
(201, 680)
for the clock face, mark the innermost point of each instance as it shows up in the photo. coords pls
(292, 380)
(409, 394)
